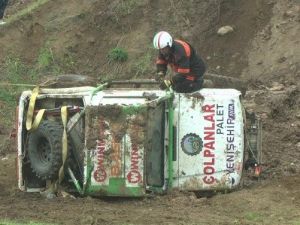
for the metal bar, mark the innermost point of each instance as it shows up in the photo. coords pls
(169, 95)
(120, 96)
(88, 171)
(71, 109)
(62, 91)
(97, 89)
(75, 181)
(137, 81)
(170, 150)
(74, 120)
(21, 85)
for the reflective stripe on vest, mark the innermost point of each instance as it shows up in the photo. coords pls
(183, 70)
(191, 78)
(186, 47)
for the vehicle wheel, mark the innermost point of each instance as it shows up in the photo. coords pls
(45, 149)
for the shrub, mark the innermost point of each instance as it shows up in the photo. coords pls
(118, 55)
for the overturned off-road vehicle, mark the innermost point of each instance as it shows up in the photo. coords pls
(134, 140)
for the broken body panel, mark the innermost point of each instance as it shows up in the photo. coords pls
(136, 141)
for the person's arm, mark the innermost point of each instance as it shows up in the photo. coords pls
(161, 68)
(161, 65)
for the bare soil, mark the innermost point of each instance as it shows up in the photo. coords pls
(263, 50)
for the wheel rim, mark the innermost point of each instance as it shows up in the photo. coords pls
(44, 151)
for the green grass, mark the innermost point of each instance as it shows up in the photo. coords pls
(297, 222)
(45, 58)
(138, 66)
(117, 55)
(67, 64)
(5, 96)
(124, 8)
(9, 222)
(144, 64)
(15, 72)
(254, 216)
(14, 69)
(46, 64)
(17, 77)
(31, 7)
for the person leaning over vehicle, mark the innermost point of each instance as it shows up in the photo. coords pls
(182, 58)
(3, 4)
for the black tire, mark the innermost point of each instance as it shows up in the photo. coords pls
(45, 149)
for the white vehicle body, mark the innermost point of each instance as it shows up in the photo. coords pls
(160, 141)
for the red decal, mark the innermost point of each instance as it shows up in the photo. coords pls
(209, 179)
(100, 174)
(208, 108)
(134, 176)
(209, 144)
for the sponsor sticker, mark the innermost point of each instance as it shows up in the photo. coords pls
(191, 144)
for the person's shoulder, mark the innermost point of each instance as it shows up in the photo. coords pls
(182, 47)
(178, 44)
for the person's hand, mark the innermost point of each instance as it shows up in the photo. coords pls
(165, 84)
(159, 76)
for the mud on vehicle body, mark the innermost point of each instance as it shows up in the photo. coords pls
(132, 141)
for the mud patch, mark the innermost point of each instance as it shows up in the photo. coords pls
(273, 56)
(118, 121)
(282, 102)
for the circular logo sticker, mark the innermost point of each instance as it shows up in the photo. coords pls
(191, 144)
(134, 176)
(100, 175)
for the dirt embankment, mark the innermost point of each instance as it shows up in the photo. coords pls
(262, 49)
(273, 74)
(85, 33)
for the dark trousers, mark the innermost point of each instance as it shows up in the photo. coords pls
(3, 4)
(182, 85)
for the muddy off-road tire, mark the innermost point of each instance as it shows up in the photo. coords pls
(45, 149)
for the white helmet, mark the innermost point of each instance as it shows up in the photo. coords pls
(162, 39)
